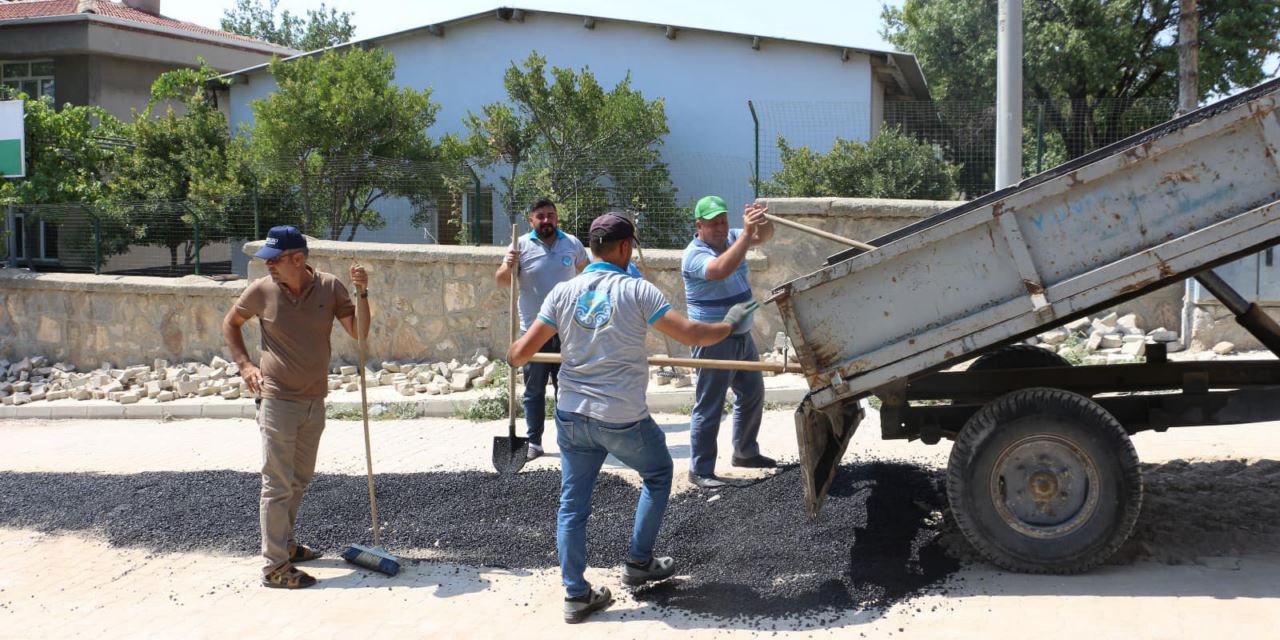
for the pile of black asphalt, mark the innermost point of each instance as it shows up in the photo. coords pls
(744, 552)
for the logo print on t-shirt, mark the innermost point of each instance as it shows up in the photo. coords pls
(566, 260)
(593, 309)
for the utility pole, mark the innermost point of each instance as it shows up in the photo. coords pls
(1188, 57)
(1009, 94)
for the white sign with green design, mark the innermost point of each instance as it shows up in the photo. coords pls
(12, 140)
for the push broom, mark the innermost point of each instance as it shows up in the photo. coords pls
(375, 558)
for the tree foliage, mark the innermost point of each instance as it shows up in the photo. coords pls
(322, 27)
(891, 165)
(1095, 68)
(65, 161)
(343, 135)
(563, 135)
(183, 168)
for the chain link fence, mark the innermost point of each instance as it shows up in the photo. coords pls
(961, 133)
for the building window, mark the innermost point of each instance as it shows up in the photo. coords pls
(32, 77)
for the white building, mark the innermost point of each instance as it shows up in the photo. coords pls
(704, 76)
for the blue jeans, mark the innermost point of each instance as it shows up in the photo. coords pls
(708, 403)
(584, 444)
(536, 375)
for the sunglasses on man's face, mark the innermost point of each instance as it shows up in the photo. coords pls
(277, 259)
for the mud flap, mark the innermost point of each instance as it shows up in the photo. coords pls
(823, 436)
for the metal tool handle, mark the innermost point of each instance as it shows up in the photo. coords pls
(364, 412)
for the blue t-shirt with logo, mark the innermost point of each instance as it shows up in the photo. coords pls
(709, 300)
(543, 267)
(602, 316)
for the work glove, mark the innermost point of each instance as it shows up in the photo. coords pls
(739, 314)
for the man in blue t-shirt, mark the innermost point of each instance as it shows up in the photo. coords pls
(715, 278)
(602, 317)
(545, 257)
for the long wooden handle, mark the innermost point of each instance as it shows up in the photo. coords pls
(643, 267)
(364, 412)
(693, 363)
(818, 232)
(511, 373)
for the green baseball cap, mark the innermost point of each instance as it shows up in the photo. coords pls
(709, 207)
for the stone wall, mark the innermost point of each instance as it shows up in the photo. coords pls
(88, 319)
(429, 301)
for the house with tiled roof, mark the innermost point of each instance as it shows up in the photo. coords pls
(105, 53)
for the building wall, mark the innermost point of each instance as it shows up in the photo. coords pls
(704, 79)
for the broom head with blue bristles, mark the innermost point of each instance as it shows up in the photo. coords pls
(374, 558)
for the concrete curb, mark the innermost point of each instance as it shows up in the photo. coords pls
(434, 407)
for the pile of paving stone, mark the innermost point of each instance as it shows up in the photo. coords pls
(33, 379)
(1113, 338)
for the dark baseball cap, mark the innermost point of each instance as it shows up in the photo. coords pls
(611, 226)
(281, 239)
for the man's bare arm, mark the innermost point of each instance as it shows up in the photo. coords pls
(691, 332)
(529, 343)
(232, 335)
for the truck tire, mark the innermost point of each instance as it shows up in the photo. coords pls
(1018, 356)
(1044, 481)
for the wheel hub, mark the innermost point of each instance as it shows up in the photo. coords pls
(1044, 486)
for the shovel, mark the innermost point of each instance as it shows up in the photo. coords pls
(510, 453)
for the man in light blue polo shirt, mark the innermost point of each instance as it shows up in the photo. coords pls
(545, 257)
(715, 278)
(602, 316)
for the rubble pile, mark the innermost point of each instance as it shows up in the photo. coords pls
(1112, 339)
(33, 379)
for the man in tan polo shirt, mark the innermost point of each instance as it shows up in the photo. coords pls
(295, 306)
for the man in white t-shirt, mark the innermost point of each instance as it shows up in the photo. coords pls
(602, 316)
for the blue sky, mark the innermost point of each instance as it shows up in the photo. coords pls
(855, 23)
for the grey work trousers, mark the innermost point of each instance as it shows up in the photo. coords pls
(290, 438)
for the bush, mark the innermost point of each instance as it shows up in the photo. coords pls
(891, 165)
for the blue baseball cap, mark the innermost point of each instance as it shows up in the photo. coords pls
(281, 239)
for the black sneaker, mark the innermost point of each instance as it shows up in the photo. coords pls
(706, 482)
(655, 569)
(577, 609)
(755, 462)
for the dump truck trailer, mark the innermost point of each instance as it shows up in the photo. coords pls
(1042, 475)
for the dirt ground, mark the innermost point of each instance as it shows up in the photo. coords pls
(1203, 559)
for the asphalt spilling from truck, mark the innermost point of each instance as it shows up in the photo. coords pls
(744, 552)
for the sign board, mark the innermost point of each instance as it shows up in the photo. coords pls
(13, 152)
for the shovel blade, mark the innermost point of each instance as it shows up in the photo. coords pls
(510, 454)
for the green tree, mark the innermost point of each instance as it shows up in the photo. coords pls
(563, 135)
(323, 27)
(345, 136)
(183, 169)
(891, 165)
(67, 162)
(1100, 70)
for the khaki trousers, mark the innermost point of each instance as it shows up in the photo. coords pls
(290, 438)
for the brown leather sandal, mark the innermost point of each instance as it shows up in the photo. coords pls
(287, 577)
(303, 553)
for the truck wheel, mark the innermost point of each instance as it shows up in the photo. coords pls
(1044, 481)
(1018, 356)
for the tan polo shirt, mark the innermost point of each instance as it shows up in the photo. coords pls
(295, 333)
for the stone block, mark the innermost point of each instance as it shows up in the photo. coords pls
(334, 385)
(113, 387)
(39, 361)
(1163, 335)
(406, 388)
(57, 395)
(217, 362)
(1095, 359)
(480, 352)
(20, 399)
(82, 394)
(681, 381)
(159, 365)
(231, 393)
(1112, 340)
(22, 387)
(1132, 339)
(208, 390)
(1079, 325)
(1223, 348)
(184, 388)
(392, 366)
(1094, 342)
(348, 370)
(1054, 337)
(386, 378)
(165, 396)
(1134, 349)
(459, 381)
(1129, 321)
(442, 369)
(129, 397)
(351, 386)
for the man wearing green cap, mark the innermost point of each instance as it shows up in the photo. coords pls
(715, 278)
